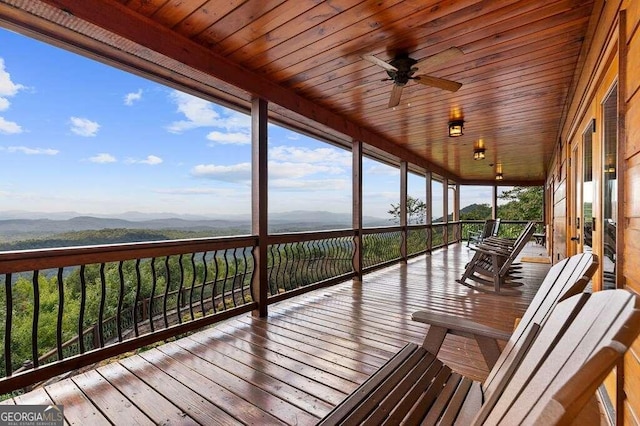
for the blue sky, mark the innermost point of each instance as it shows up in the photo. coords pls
(77, 135)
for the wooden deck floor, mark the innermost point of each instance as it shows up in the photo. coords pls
(294, 366)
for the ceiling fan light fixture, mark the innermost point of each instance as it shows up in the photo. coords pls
(455, 128)
(478, 150)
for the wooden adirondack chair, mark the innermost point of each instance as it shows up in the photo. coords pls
(565, 279)
(491, 264)
(546, 376)
(487, 231)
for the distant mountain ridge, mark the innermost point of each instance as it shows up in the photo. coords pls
(16, 229)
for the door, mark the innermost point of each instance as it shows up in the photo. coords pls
(587, 224)
(581, 224)
(609, 113)
(575, 217)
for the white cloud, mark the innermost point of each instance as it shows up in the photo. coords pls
(240, 173)
(7, 89)
(310, 185)
(328, 156)
(151, 160)
(9, 127)
(289, 170)
(286, 165)
(198, 112)
(32, 151)
(201, 113)
(234, 138)
(103, 158)
(84, 126)
(188, 191)
(7, 86)
(383, 170)
(132, 97)
(234, 121)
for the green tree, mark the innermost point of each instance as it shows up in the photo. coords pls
(416, 211)
(523, 203)
(476, 212)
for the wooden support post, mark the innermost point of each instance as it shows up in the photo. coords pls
(259, 187)
(494, 202)
(445, 210)
(429, 212)
(456, 202)
(357, 208)
(404, 167)
(621, 165)
(456, 212)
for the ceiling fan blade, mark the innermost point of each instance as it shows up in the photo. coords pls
(379, 62)
(438, 58)
(440, 83)
(396, 93)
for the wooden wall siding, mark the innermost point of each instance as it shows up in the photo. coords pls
(520, 59)
(631, 269)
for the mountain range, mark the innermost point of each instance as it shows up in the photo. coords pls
(17, 225)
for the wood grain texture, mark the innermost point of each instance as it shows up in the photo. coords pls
(519, 61)
(306, 357)
(632, 205)
(633, 65)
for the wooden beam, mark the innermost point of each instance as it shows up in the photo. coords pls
(259, 203)
(124, 22)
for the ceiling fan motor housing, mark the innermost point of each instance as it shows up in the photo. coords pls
(404, 71)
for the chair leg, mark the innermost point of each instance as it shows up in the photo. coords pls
(496, 273)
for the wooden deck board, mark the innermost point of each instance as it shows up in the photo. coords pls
(295, 365)
(157, 407)
(114, 405)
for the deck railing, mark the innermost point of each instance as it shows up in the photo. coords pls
(62, 309)
(305, 260)
(72, 307)
(508, 228)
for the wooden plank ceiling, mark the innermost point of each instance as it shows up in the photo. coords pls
(305, 57)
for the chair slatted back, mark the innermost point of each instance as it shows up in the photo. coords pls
(576, 348)
(496, 228)
(487, 229)
(565, 279)
(520, 243)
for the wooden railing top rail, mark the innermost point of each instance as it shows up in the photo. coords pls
(298, 237)
(381, 229)
(418, 226)
(40, 259)
(508, 221)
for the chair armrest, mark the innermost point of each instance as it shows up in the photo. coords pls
(488, 249)
(460, 326)
(442, 324)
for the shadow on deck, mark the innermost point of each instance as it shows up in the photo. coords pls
(295, 365)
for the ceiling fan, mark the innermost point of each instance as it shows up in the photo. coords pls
(402, 68)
